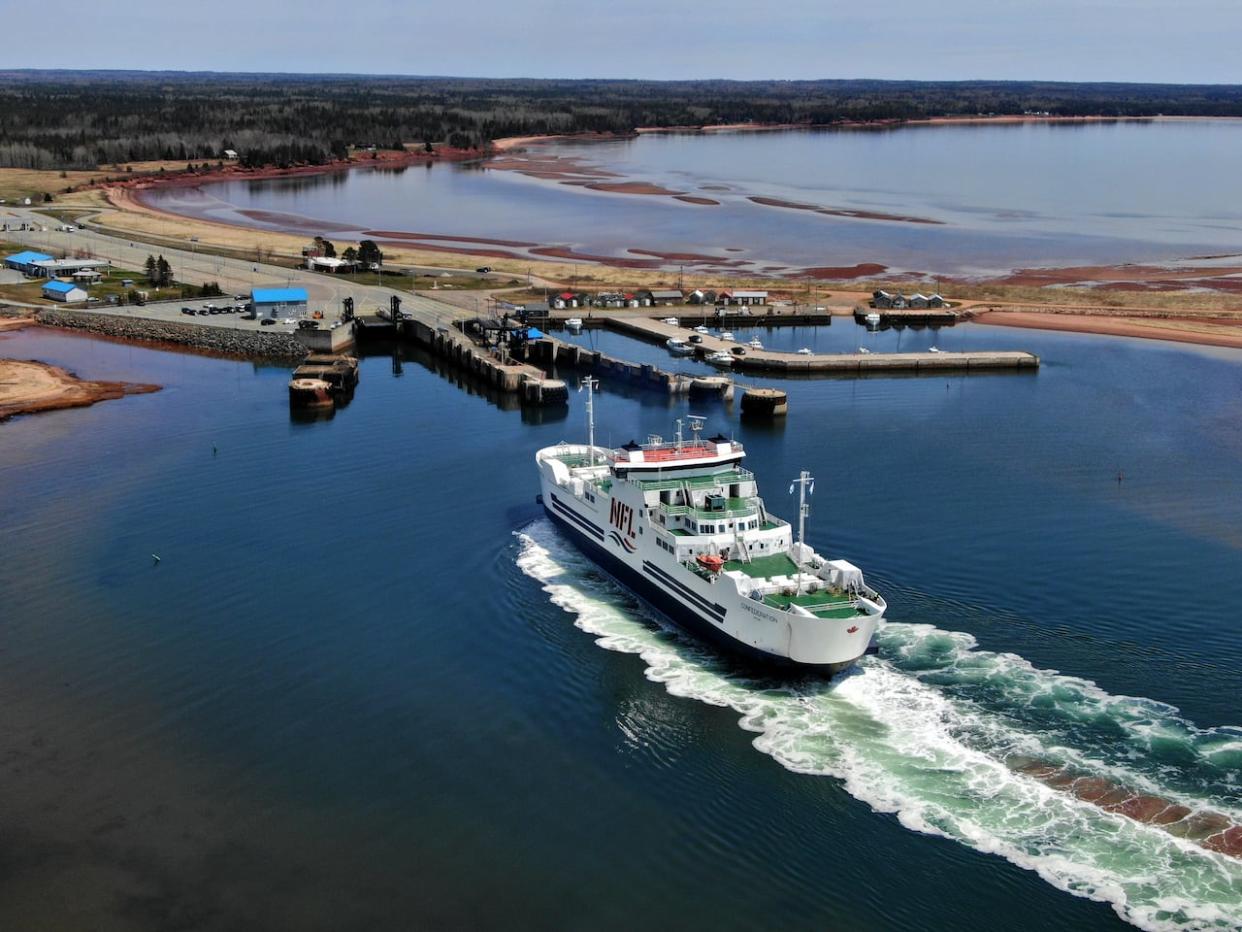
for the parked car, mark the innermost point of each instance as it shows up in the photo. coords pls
(484, 269)
(267, 322)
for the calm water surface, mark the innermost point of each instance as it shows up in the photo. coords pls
(1002, 196)
(365, 687)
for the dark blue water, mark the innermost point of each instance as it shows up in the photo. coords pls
(355, 692)
(999, 197)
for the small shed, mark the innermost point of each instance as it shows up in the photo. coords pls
(743, 297)
(87, 276)
(63, 291)
(268, 302)
(667, 297)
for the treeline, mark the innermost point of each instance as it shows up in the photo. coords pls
(66, 119)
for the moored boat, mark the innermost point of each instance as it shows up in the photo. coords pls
(678, 347)
(719, 358)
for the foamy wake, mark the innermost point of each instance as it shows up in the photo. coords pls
(934, 758)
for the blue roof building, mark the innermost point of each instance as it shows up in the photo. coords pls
(63, 291)
(25, 261)
(283, 296)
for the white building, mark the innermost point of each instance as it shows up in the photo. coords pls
(63, 291)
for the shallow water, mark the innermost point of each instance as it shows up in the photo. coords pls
(1000, 196)
(350, 694)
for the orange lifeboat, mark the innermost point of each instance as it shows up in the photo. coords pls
(710, 562)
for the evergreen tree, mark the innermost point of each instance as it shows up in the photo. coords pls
(369, 253)
(163, 272)
(152, 270)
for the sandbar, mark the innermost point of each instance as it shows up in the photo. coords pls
(28, 387)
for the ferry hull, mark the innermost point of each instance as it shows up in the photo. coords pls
(678, 613)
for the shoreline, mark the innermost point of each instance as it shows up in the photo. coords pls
(28, 386)
(1176, 330)
(386, 159)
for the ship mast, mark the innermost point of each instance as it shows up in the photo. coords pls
(804, 508)
(590, 384)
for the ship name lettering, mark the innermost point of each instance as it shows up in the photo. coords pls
(622, 517)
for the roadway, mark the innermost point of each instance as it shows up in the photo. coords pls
(235, 276)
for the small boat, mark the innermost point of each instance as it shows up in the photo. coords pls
(678, 347)
(755, 343)
(701, 329)
(805, 351)
(720, 359)
(864, 350)
(671, 321)
(933, 349)
(872, 318)
(728, 336)
(573, 323)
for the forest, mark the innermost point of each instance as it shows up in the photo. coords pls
(84, 119)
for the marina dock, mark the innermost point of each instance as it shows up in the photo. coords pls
(656, 331)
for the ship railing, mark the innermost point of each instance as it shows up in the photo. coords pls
(676, 511)
(661, 483)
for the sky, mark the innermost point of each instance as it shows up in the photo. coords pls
(1167, 41)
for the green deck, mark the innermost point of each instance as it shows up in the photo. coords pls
(778, 564)
(833, 606)
(694, 482)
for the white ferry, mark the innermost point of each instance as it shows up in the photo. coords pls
(681, 524)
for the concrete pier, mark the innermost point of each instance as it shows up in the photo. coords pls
(506, 375)
(550, 351)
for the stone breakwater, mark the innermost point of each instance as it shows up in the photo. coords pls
(222, 340)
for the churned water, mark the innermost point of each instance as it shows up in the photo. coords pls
(924, 731)
(362, 687)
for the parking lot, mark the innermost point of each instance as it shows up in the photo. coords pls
(228, 311)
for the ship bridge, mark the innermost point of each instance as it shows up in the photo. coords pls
(679, 455)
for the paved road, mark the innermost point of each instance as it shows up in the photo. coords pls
(235, 276)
